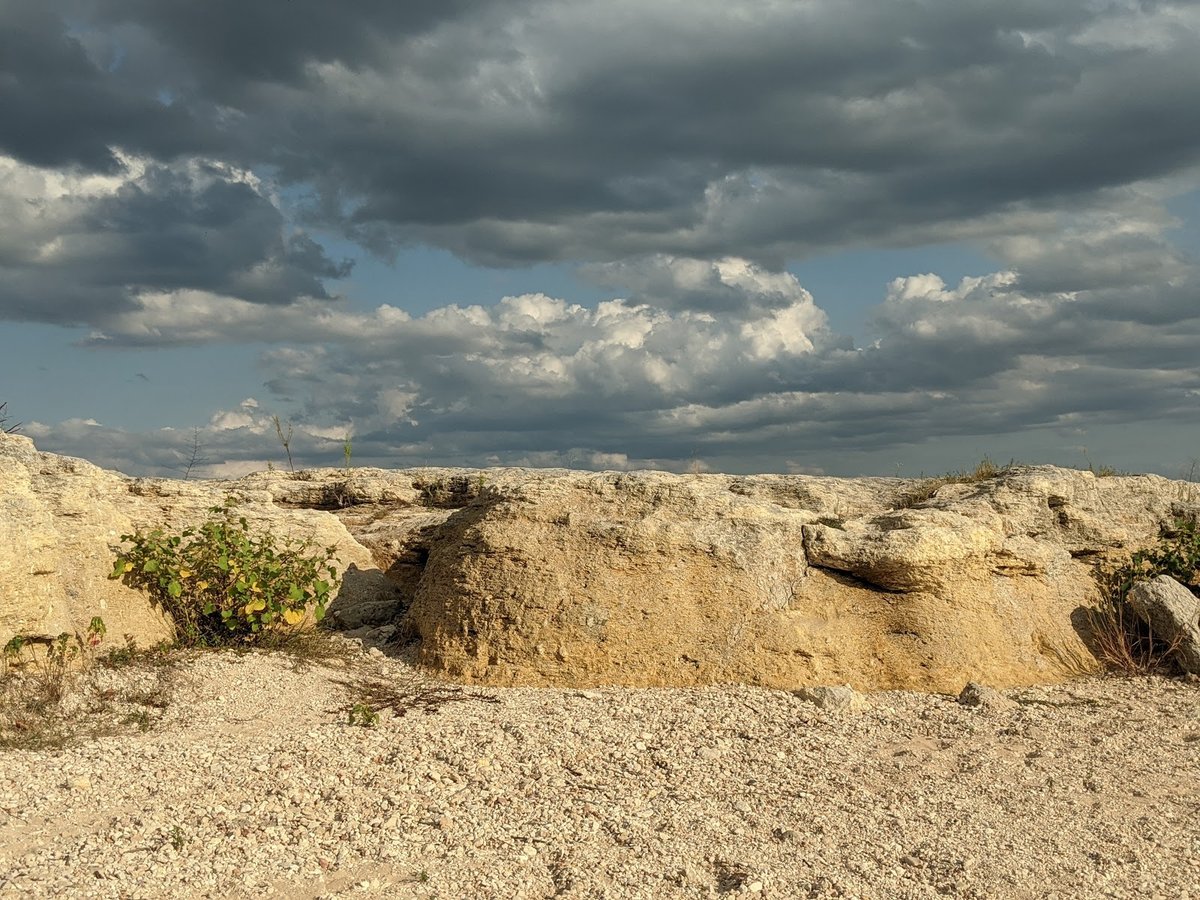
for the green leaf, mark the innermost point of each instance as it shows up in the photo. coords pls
(150, 565)
(174, 588)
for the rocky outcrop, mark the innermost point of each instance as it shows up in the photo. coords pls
(1173, 613)
(61, 518)
(519, 576)
(649, 578)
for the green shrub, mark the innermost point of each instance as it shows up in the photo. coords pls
(1123, 640)
(222, 584)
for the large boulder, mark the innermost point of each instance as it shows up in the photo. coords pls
(649, 578)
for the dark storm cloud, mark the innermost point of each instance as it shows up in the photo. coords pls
(59, 107)
(229, 42)
(528, 131)
(80, 249)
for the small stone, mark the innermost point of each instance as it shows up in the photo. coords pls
(978, 695)
(842, 698)
(755, 887)
(80, 783)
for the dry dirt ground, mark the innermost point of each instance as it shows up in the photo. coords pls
(251, 782)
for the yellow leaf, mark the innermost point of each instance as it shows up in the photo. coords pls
(293, 616)
(185, 573)
(254, 606)
(201, 585)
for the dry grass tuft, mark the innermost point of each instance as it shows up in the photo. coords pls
(1120, 638)
(1124, 643)
(986, 470)
(405, 692)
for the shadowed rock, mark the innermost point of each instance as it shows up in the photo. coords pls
(1173, 613)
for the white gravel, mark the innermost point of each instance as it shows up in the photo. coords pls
(252, 784)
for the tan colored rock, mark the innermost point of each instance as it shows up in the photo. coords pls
(61, 518)
(1173, 613)
(649, 578)
(553, 577)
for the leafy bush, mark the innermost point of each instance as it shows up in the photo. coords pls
(1123, 640)
(222, 584)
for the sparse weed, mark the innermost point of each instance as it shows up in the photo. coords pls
(4, 426)
(986, 470)
(361, 715)
(402, 694)
(285, 440)
(140, 718)
(38, 676)
(1100, 471)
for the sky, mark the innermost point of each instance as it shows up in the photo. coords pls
(850, 237)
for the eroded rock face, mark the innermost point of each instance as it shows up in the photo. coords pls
(651, 578)
(554, 577)
(61, 518)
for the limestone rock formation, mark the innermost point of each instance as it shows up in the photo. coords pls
(522, 576)
(649, 578)
(1173, 612)
(61, 518)
(834, 698)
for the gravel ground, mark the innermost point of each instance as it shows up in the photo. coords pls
(253, 783)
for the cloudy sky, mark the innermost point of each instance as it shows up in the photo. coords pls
(842, 236)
